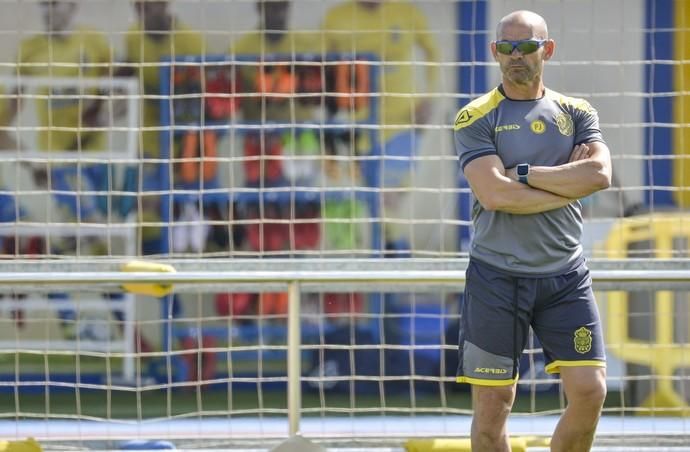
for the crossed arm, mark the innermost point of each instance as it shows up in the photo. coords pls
(496, 188)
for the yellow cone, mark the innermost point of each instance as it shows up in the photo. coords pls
(151, 289)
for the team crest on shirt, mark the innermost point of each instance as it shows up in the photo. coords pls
(537, 126)
(583, 340)
(565, 123)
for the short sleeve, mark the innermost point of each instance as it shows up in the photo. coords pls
(101, 50)
(334, 28)
(586, 121)
(189, 42)
(132, 45)
(474, 140)
(23, 57)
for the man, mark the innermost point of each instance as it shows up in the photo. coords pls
(392, 31)
(275, 83)
(529, 154)
(65, 50)
(269, 229)
(157, 34)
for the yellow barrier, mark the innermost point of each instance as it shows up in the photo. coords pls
(661, 353)
(517, 444)
(28, 445)
(151, 289)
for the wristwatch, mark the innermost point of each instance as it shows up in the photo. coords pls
(522, 171)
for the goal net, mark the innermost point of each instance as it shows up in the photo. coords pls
(273, 138)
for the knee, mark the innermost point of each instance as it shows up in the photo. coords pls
(500, 399)
(591, 391)
(492, 407)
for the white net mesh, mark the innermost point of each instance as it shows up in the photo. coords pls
(202, 129)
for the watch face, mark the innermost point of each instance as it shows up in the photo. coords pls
(522, 170)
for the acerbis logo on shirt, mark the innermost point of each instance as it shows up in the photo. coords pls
(507, 127)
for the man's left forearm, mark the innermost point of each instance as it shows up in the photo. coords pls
(572, 180)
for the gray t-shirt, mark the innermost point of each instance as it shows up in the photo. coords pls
(540, 132)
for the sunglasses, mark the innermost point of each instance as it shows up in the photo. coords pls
(525, 46)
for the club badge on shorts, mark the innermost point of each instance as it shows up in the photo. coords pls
(583, 340)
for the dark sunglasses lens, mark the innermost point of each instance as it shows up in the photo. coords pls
(528, 47)
(505, 48)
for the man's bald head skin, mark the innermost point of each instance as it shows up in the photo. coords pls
(523, 19)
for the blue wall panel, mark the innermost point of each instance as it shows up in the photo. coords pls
(658, 110)
(472, 45)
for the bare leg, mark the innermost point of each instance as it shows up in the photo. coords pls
(585, 390)
(491, 406)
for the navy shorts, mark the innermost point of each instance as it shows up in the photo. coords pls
(498, 310)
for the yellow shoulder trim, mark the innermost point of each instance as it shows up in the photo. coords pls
(575, 102)
(555, 366)
(478, 108)
(484, 382)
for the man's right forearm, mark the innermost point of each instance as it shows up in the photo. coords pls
(520, 199)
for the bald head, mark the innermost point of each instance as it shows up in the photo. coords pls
(273, 15)
(522, 21)
(58, 14)
(154, 15)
